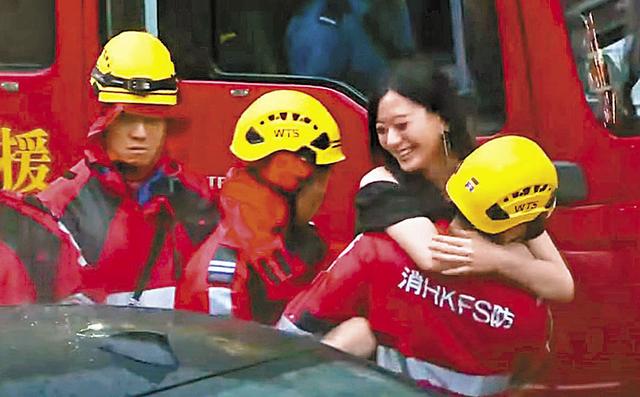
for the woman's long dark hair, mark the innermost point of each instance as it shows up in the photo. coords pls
(419, 80)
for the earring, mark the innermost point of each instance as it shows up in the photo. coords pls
(445, 143)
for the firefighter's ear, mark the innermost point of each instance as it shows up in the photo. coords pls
(456, 231)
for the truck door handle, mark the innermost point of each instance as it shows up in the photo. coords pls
(10, 86)
(239, 92)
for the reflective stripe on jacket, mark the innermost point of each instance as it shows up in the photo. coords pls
(441, 377)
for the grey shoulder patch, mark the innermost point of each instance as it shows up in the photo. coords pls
(223, 265)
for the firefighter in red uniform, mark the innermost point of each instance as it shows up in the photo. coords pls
(464, 335)
(265, 250)
(135, 214)
(38, 263)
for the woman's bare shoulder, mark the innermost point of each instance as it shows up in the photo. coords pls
(378, 174)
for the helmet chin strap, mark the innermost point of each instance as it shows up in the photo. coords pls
(283, 172)
(277, 188)
(124, 168)
(129, 172)
(288, 195)
(285, 175)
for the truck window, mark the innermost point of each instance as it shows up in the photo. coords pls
(347, 44)
(605, 38)
(22, 47)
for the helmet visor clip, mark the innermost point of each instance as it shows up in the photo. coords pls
(139, 85)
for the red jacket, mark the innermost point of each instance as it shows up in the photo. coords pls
(37, 261)
(459, 334)
(135, 243)
(254, 263)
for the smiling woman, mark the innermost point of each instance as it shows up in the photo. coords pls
(418, 121)
(414, 136)
(417, 124)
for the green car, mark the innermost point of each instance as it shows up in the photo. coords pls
(128, 351)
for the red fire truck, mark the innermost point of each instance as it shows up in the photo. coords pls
(562, 72)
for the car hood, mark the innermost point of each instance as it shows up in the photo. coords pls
(101, 350)
(51, 350)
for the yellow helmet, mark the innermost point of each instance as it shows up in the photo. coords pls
(503, 183)
(135, 67)
(287, 120)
